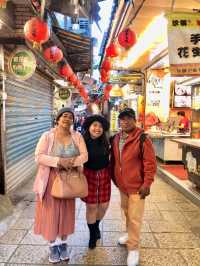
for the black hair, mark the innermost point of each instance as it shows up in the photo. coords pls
(182, 113)
(103, 140)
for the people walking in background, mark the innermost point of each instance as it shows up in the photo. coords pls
(97, 172)
(134, 169)
(57, 150)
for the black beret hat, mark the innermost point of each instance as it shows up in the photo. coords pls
(64, 110)
(93, 118)
(127, 112)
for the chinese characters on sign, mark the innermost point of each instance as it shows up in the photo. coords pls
(184, 44)
(158, 95)
(22, 64)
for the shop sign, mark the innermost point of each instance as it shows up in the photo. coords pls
(116, 91)
(158, 96)
(22, 64)
(184, 44)
(129, 78)
(64, 93)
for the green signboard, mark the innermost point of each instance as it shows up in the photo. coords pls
(64, 93)
(22, 64)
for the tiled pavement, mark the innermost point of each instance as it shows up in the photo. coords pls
(170, 234)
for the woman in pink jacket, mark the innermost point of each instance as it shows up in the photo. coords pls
(59, 148)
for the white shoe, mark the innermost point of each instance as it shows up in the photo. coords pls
(123, 239)
(133, 258)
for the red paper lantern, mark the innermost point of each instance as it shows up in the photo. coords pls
(108, 88)
(105, 79)
(106, 65)
(104, 73)
(112, 51)
(65, 71)
(127, 38)
(80, 88)
(73, 79)
(78, 83)
(53, 54)
(36, 30)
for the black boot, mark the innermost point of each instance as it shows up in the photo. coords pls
(98, 233)
(93, 238)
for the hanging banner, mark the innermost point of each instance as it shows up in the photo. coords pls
(184, 44)
(158, 95)
(22, 64)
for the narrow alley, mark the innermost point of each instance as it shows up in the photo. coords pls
(170, 234)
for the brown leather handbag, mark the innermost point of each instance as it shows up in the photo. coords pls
(70, 184)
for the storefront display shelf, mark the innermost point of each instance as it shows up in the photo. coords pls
(191, 158)
(165, 149)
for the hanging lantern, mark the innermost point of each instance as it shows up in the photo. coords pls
(105, 79)
(53, 54)
(36, 31)
(73, 79)
(3, 3)
(112, 51)
(78, 83)
(65, 71)
(80, 87)
(127, 38)
(104, 73)
(105, 76)
(106, 65)
(108, 88)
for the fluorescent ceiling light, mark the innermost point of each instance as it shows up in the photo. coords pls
(156, 31)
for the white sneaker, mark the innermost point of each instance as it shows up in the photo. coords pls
(123, 239)
(133, 258)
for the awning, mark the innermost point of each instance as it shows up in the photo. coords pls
(78, 49)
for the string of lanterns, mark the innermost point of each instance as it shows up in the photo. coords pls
(126, 39)
(37, 31)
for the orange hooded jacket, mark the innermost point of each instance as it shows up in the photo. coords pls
(130, 171)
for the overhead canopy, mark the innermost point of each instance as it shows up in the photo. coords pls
(139, 17)
(78, 49)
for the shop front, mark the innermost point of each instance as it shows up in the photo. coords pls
(127, 91)
(32, 57)
(161, 113)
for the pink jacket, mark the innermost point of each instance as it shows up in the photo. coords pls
(46, 161)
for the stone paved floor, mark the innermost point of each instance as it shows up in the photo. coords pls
(170, 234)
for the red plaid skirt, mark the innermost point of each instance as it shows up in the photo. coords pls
(99, 185)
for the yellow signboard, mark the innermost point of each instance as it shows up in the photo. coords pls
(184, 43)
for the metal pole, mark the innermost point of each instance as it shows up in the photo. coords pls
(3, 122)
(42, 8)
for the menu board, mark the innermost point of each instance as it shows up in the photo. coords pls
(182, 96)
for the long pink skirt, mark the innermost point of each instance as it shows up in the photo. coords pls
(54, 217)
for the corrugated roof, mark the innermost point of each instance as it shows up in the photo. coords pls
(78, 49)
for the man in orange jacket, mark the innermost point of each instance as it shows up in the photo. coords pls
(133, 173)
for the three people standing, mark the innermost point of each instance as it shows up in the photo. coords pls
(131, 165)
